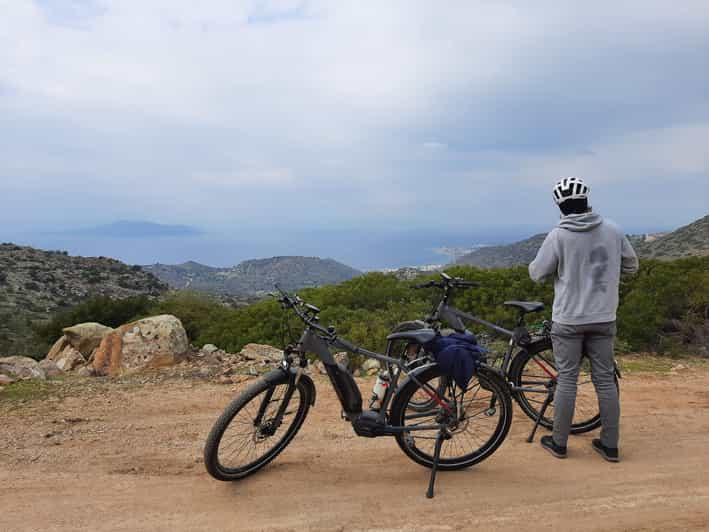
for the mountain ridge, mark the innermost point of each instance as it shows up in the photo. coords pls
(254, 276)
(689, 240)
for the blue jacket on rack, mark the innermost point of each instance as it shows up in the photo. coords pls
(458, 355)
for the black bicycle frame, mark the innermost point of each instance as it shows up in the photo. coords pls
(346, 388)
(452, 316)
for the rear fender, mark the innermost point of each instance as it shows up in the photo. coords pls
(414, 373)
(281, 376)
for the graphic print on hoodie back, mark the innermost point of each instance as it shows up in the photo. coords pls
(586, 255)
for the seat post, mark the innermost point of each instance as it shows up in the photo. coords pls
(520, 318)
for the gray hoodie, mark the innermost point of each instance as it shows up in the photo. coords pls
(586, 255)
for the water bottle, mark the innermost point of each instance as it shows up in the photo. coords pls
(379, 391)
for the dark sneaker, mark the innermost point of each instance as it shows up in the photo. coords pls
(608, 453)
(556, 450)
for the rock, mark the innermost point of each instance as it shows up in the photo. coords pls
(57, 348)
(344, 359)
(320, 367)
(5, 380)
(86, 371)
(147, 343)
(370, 366)
(50, 368)
(224, 380)
(261, 352)
(69, 359)
(85, 337)
(22, 368)
(209, 348)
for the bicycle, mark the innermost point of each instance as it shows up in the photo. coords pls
(527, 365)
(458, 430)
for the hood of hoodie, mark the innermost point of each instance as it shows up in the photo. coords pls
(581, 222)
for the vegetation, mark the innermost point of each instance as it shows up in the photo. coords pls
(665, 308)
(101, 309)
(36, 284)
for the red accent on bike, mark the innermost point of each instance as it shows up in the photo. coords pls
(551, 375)
(438, 400)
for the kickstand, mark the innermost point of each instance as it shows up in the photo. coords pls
(436, 458)
(547, 401)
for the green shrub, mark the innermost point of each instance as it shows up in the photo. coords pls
(101, 309)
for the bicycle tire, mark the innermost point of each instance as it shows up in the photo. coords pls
(530, 402)
(243, 403)
(487, 380)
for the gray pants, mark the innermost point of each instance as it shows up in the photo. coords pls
(596, 340)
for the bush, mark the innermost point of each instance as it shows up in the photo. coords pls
(664, 308)
(101, 309)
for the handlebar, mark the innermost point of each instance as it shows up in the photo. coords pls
(447, 282)
(309, 316)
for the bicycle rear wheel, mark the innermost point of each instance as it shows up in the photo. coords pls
(535, 368)
(482, 420)
(249, 434)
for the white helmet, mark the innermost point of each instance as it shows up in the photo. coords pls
(570, 188)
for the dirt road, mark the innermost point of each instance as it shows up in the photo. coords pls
(128, 457)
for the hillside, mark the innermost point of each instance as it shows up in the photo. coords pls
(689, 241)
(254, 276)
(35, 283)
(522, 252)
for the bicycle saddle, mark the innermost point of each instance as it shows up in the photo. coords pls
(526, 306)
(420, 336)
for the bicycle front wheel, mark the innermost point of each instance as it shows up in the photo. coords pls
(483, 413)
(255, 427)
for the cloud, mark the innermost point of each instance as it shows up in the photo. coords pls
(381, 114)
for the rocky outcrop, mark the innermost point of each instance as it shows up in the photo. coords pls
(21, 368)
(77, 345)
(69, 359)
(147, 343)
(85, 337)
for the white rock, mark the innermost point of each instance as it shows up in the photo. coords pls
(209, 348)
(370, 364)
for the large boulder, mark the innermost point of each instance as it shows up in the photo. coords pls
(22, 368)
(147, 343)
(85, 337)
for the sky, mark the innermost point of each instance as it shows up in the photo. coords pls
(280, 121)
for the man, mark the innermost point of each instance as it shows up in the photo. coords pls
(585, 255)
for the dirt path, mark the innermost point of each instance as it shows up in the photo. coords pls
(128, 457)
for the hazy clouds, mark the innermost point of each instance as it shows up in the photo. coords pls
(338, 114)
